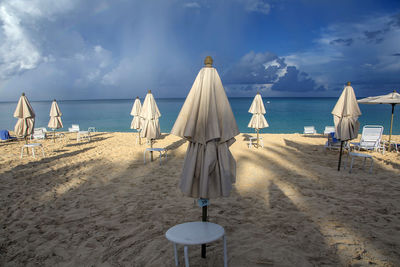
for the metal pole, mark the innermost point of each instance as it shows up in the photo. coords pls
(151, 152)
(391, 125)
(340, 155)
(26, 142)
(204, 219)
(257, 136)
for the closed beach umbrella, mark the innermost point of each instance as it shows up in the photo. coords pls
(207, 122)
(26, 118)
(392, 99)
(55, 117)
(135, 112)
(345, 116)
(150, 127)
(258, 120)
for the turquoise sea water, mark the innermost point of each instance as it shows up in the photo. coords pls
(284, 115)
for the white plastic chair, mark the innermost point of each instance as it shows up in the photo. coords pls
(38, 133)
(329, 129)
(74, 128)
(309, 130)
(371, 138)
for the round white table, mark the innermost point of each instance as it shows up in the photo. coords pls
(195, 233)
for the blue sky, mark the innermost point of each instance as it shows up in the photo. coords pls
(71, 49)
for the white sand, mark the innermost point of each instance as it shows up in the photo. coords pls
(96, 204)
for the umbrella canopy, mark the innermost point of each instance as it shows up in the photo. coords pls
(26, 117)
(257, 108)
(135, 112)
(206, 120)
(55, 116)
(150, 128)
(393, 98)
(345, 115)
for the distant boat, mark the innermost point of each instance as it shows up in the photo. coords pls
(268, 102)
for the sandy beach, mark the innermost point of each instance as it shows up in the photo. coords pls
(97, 204)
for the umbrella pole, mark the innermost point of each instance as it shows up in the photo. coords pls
(257, 136)
(204, 219)
(340, 155)
(54, 135)
(140, 141)
(151, 152)
(26, 142)
(391, 126)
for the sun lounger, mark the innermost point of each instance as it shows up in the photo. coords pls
(83, 134)
(253, 141)
(91, 129)
(329, 129)
(39, 133)
(74, 128)
(370, 138)
(332, 142)
(392, 145)
(309, 130)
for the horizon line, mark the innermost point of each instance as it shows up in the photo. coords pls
(108, 99)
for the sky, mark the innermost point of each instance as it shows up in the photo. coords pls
(98, 49)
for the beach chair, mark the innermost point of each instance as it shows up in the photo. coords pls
(332, 142)
(38, 133)
(74, 128)
(370, 138)
(329, 129)
(309, 130)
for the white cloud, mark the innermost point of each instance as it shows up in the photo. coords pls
(192, 5)
(257, 6)
(281, 69)
(18, 49)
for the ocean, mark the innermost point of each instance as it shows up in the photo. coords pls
(284, 114)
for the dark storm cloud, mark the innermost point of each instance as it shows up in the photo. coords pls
(251, 69)
(296, 81)
(255, 69)
(341, 41)
(375, 36)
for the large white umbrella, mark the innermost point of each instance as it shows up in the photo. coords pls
(258, 120)
(26, 118)
(345, 116)
(135, 112)
(392, 98)
(150, 126)
(206, 120)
